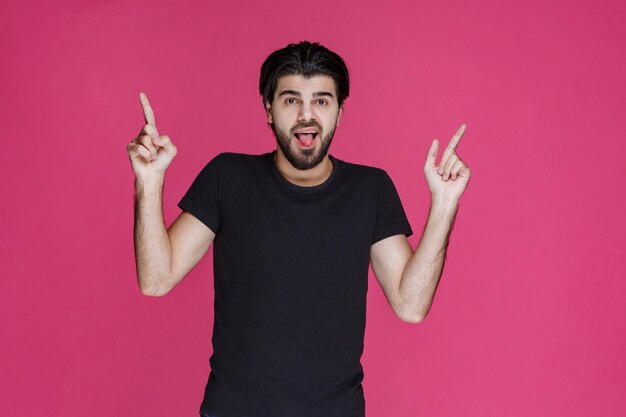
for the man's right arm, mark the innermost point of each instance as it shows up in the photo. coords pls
(163, 256)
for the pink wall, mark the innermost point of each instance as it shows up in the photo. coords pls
(529, 318)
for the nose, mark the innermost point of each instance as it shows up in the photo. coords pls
(306, 113)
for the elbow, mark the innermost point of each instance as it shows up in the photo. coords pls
(151, 289)
(413, 317)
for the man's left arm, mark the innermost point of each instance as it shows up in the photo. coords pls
(409, 278)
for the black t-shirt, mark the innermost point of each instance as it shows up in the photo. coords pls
(290, 277)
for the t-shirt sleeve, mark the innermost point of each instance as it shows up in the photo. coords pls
(390, 216)
(203, 198)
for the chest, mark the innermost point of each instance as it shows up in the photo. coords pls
(315, 247)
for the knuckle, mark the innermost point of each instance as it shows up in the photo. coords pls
(147, 142)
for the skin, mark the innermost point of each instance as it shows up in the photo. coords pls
(299, 102)
(163, 256)
(408, 277)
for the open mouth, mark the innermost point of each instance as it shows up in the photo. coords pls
(306, 138)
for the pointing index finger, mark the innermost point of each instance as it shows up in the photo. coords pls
(457, 137)
(148, 114)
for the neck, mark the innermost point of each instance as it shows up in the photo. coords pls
(307, 178)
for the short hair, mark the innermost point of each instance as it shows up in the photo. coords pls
(308, 59)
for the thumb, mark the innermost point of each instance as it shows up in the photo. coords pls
(432, 154)
(166, 143)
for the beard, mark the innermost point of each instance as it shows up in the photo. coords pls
(303, 159)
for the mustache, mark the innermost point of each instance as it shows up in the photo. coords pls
(306, 124)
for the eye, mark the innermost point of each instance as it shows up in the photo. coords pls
(321, 102)
(291, 100)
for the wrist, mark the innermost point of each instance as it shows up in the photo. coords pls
(443, 205)
(439, 198)
(148, 186)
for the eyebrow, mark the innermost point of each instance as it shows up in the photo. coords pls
(298, 94)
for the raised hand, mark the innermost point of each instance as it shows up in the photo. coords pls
(449, 179)
(149, 153)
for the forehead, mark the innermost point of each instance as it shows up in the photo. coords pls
(301, 84)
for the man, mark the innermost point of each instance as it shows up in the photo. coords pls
(294, 232)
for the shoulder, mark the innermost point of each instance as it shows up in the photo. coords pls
(226, 158)
(364, 173)
(229, 161)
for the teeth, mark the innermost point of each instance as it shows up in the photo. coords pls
(306, 133)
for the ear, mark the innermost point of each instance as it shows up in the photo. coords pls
(339, 114)
(268, 113)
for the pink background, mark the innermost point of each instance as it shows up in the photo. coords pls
(529, 318)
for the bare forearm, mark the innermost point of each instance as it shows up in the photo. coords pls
(423, 271)
(152, 244)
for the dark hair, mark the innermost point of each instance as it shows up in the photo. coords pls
(307, 59)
